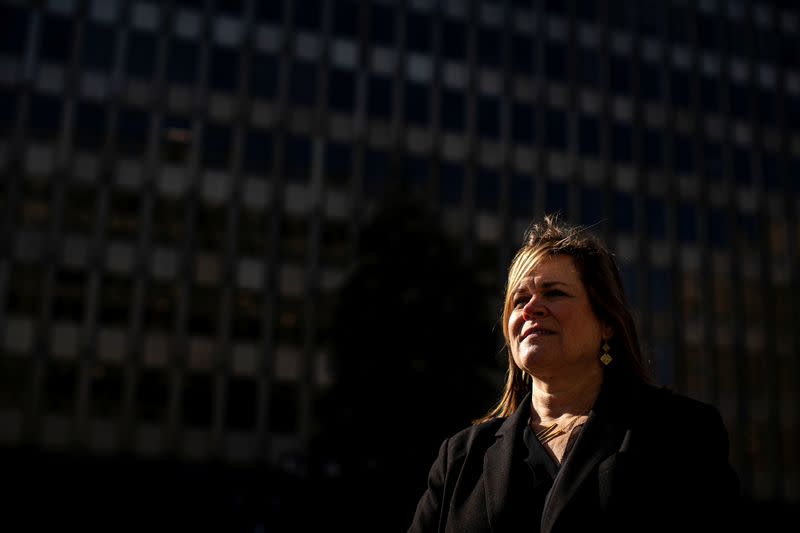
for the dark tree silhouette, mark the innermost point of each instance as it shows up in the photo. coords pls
(416, 360)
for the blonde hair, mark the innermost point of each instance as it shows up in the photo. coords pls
(600, 276)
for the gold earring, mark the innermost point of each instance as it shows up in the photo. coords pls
(524, 375)
(606, 357)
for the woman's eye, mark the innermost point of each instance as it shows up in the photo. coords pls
(555, 292)
(520, 302)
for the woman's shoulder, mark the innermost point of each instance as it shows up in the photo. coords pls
(481, 434)
(665, 401)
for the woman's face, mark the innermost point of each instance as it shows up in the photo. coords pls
(552, 328)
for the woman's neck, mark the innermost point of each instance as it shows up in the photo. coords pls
(554, 399)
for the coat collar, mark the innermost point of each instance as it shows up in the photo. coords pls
(602, 436)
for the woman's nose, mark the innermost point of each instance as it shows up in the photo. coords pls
(533, 308)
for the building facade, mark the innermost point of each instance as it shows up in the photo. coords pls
(183, 185)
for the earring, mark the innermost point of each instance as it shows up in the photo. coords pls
(524, 376)
(606, 357)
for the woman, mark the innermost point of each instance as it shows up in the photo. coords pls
(580, 440)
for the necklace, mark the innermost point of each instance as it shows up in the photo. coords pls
(552, 431)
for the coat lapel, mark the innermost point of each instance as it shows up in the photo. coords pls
(501, 469)
(601, 438)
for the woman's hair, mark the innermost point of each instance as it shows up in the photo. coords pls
(600, 277)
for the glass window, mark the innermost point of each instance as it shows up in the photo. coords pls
(588, 136)
(766, 106)
(417, 172)
(650, 81)
(418, 32)
(253, 232)
(770, 171)
(678, 23)
(61, 385)
(176, 138)
(182, 62)
(454, 39)
(709, 35)
(588, 67)
(212, 220)
(123, 215)
(203, 310)
(522, 54)
(586, 11)
(69, 294)
(622, 144)
(680, 89)
(487, 190)
(740, 101)
(453, 110)
(90, 126)
(224, 70)
(14, 36)
(523, 123)
(270, 11)
(231, 7)
(116, 298)
(591, 204)
(620, 75)
(712, 160)
(651, 18)
(298, 158)
(197, 399)
(488, 117)
(653, 148)
(382, 19)
(656, 218)
(241, 407)
(345, 18)
(556, 197)
(79, 211)
(556, 129)
(748, 230)
(308, 14)
(719, 229)
(8, 110)
(160, 305)
(342, 90)
(98, 46)
(34, 209)
(555, 61)
(335, 243)
(246, 323)
(264, 72)
(522, 200)
(627, 272)
(132, 132)
(141, 54)
(289, 326)
(283, 407)
(152, 395)
(741, 166)
(687, 222)
(258, 152)
(684, 155)
(624, 211)
(303, 83)
(621, 14)
(417, 108)
(709, 94)
(338, 164)
(376, 171)
(660, 289)
(489, 47)
(24, 290)
(45, 116)
(452, 184)
(380, 97)
(169, 220)
(15, 376)
(216, 145)
(55, 38)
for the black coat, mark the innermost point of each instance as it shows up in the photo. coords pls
(646, 460)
